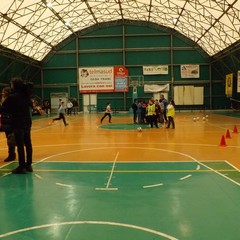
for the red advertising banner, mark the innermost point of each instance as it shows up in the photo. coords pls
(120, 79)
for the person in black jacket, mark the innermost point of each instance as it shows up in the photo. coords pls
(134, 107)
(19, 106)
(6, 126)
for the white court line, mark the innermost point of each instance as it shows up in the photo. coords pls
(153, 185)
(38, 176)
(63, 185)
(188, 176)
(54, 225)
(106, 189)
(110, 177)
(232, 166)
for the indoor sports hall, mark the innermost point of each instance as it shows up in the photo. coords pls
(101, 178)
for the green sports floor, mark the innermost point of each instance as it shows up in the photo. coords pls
(122, 201)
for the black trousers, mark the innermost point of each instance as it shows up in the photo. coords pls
(153, 120)
(109, 117)
(23, 140)
(171, 122)
(61, 116)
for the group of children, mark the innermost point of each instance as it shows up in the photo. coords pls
(154, 112)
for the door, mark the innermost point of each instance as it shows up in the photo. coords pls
(89, 103)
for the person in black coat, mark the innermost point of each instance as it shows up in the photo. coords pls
(134, 107)
(19, 106)
(7, 127)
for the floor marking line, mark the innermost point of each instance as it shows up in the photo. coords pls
(63, 185)
(127, 171)
(232, 166)
(106, 189)
(38, 176)
(144, 229)
(110, 177)
(153, 185)
(111, 174)
(188, 176)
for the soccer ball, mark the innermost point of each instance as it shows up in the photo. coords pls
(139, 129)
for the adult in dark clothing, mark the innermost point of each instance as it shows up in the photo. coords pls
(165, 103)
(134, 107)
(7, 127)
(75, 106)
(19, 106)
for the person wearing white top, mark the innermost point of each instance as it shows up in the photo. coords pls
(61, 112)
(107, 113)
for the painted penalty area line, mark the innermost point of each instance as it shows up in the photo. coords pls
(110, 178)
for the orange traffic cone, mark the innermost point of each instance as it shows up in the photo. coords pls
(235, 130)
(223, 142)
(228, 134)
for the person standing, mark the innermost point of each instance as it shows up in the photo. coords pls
(134, 107)
(19, 105)
(69, 107)
(144, 110)
(61, 112)
(7, 127)
(165, 103)
(139, 111)
(47, 107)
(171, 113)
(161, 105)
(75, 106)
(107, 113)
(151, 113)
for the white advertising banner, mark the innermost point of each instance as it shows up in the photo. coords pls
(155, 69)
(189, 71)
(96, 79)
(153, 88)
(238, 81)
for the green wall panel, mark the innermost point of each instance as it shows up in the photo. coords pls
(135, 71)
(188, 57)
(108, 30)
(147, 41)
(140, 29)
(69, 46)
(60, 76)
(62, 60)
(100, 43)
(148, 57)
(157, 78)
(100, 59)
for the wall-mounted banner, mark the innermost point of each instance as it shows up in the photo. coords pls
(228, 85)
(96, 79)
(155, 69)
(154, 88)
(120, 79)
(238, 81)
(103, 79)
(189, 71)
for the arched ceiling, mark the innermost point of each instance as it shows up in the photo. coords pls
(34, 27)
